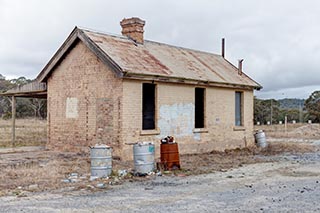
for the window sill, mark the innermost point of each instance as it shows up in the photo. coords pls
(150, 132)
(200, 130)
(239, 128)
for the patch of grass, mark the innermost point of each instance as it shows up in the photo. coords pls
(220, 161)
(298, 130)
(285, 147)
(45, 169)
(29, 132)
(48, 169)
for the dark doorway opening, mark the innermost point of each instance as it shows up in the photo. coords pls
(148, 106)
(199, 107)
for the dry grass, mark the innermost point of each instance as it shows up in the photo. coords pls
(219, 161)
(47, 170)
(298, 130)
(286, 147)
(278, 127)
(29, 132)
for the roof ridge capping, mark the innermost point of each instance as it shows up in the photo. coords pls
(101, 32)
(184, 48)
(104, 33)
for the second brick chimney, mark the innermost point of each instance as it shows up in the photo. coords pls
(133, 28)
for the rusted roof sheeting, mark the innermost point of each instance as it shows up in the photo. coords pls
(152, 58)
(128, 55)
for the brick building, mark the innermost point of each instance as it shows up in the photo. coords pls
(121, 89)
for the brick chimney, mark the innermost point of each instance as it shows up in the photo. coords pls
(133, 28)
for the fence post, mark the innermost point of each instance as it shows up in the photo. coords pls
(13, 103)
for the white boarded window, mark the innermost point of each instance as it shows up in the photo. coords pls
(72, 108)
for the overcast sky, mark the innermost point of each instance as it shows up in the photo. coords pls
(278, 40)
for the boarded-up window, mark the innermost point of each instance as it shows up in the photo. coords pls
(238, 109)
(148, 106)
(72, 108)
(199, 107)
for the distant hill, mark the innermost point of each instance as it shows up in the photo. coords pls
(291, 103)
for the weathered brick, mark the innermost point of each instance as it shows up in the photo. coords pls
(220, 117)
(81, 75)
(109, 111)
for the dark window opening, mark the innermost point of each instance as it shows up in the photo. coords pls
(148, 106)
(199, 107)
(238, 107)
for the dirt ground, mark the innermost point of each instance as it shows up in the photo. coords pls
(28, 173)
(288, 183)
(25, 172)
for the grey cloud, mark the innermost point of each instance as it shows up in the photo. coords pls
(278, 39)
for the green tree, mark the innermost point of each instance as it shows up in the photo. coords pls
(5, 84)
(5, 106)
(265, 109)
(20, 81)
(293, 114)
(312, 106)
(26, 107)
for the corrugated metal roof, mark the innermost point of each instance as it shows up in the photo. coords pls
(157, 59)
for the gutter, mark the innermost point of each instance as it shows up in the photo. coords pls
(173, 79)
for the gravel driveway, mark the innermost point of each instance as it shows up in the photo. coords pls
(292, 184)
